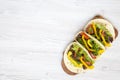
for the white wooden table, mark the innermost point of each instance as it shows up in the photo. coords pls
(34, 34)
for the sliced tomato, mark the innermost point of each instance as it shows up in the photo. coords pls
(86, 36)
(94, 57)
(88, 63)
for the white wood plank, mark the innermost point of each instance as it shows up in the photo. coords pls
(34, 34)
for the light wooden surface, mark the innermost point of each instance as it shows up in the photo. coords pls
(34, 34)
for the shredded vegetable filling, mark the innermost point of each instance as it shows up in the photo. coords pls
(74, 55)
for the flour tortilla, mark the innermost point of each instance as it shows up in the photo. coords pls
(101, 17)
(68, 64)
(101, 45)
(108, 26)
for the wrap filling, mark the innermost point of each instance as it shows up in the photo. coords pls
(79, 58)
(99, 31)
(91, 45)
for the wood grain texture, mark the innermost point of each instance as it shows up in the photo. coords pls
(34, 34)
